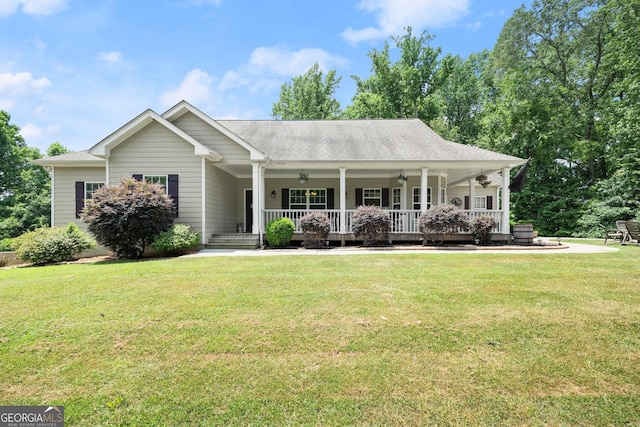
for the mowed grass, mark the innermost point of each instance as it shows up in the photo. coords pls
(428, 339)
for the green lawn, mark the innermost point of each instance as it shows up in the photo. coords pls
(427, 339)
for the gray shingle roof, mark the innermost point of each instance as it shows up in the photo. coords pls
(80, 157)
(354, 140)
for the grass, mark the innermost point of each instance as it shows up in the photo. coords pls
(427, 339)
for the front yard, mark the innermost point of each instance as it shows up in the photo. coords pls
(426, 339)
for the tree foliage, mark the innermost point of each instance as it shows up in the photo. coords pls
(309, 97)
(25, 194)
(399, 89)
(127, 217)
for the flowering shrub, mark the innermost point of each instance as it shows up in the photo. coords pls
(48, 245)
(178, 240)
(279, 232)
(442, 220)
(316, 227)
(482, 227)
(371, 222)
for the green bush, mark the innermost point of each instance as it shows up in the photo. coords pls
(279, 232)
(6, 245)
(482, 227)
(126, 218)
(442, 220)
(373, 223)
(49, 245)
(178, 240)
(316, 227)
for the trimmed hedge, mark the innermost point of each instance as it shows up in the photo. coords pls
(316, 227)
(178, 240)
(373, 223)
(49, 245)
(279, 232)
(442, 220)
(482, 227)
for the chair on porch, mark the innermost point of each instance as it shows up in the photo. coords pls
(633, 232)
(611, 233)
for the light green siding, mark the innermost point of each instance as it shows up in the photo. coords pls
(64, 190)
(212, 138)
(157, 151)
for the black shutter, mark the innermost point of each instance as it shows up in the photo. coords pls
(285, 198)
(172, 190)
(385, 197)
(330, 197)
(358, 197)
(79, 198)
(466, 202)
(137, 176)
(489, 202)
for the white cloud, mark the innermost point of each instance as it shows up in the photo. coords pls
(269, 67)
(194, 88)
(19, 84)
(32, 7)
(394, 15)
(110, 57)
(35, 135)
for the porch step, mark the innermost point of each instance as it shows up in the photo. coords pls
(233, 241)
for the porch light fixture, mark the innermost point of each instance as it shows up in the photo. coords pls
(402, 178)
(303, 177)
(273, 194)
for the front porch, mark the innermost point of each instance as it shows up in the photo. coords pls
(404, 224)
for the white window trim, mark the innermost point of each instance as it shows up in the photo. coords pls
(364, 197)
(88, 194)
(308, 198)
(415, 191)
(165, 176)
(482, 206)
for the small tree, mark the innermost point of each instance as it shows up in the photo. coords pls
(482, 227)
(126, 218)
(316, 227)
(279, 232)
(371, 222)
(442, 220)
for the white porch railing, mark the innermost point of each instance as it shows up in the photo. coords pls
(404, 221)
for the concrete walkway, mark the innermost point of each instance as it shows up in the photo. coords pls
(564, 248)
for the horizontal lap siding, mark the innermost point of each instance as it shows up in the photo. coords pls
(157, 151)
(65, 191)
(212, 138)
(221, 201)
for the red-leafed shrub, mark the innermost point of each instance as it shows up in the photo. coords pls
(373, 223)
(316, 227)
(442, 220)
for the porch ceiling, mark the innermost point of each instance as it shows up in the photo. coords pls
(455, 175)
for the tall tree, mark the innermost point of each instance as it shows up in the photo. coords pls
(309, 97)
(459, 97)
(399, 89)
(552, 87)
(25, 201)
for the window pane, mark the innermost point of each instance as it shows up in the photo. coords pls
(156, 179)
(480, 202)
(90, 187)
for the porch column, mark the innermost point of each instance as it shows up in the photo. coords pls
(506, 201)
(472, 194)
(343, 200)
(423, 190)
(255, 202)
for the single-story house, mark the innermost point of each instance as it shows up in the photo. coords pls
(231, 177)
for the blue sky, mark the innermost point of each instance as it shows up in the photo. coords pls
(74, 71)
